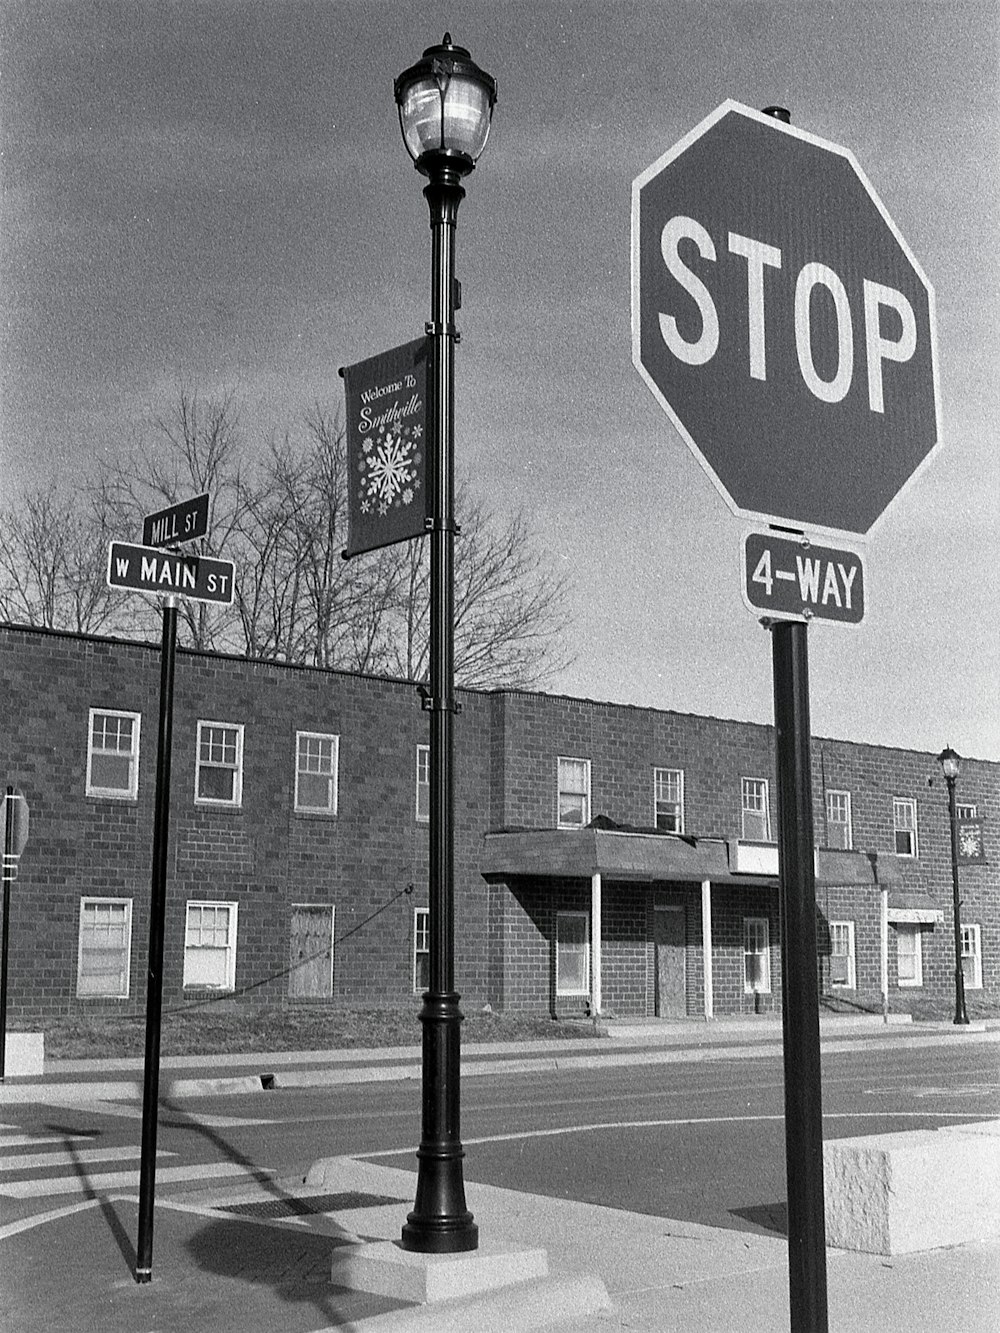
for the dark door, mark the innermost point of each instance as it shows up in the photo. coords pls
(668, 935)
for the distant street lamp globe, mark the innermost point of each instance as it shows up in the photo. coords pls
(445, 104)
(950, 763)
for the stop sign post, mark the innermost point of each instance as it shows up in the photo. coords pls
(781, 321)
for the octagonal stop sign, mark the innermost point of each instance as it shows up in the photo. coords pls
(782, 322)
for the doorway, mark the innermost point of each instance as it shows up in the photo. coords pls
(311, 953)
(670, 962)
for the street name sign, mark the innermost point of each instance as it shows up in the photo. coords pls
(782, 322)
(795, 579)
(146, 569)
(15, 814)
(179, 523)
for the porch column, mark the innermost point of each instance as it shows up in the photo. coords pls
(595, 942)
(706, 946)
(884, 951)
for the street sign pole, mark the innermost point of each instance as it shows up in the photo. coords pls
(8, 875)
(800, 992)
(154, 972)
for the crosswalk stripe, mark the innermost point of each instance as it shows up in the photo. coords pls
(110, 1180)
(82, 1157)
(33, 1140)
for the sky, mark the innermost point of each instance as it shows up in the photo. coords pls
(216, 195)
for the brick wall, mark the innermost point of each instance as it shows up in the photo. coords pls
(268, 858)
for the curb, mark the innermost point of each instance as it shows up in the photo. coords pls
(274, 1078)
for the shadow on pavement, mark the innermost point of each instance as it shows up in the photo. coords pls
(108, 1211)
(768, 1216)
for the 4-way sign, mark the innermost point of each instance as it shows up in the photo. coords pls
(794, 578)
(783, 323)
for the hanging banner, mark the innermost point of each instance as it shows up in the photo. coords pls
(386, 447)
(970, 841)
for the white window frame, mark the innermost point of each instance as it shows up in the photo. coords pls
(423, 792)
(905, 807)
(229, 981)
(845, 930)
(421, 947)
(839, 802)
(757, 944)
(755, 790)
(236, 800)
(563, 918)
(973, 953)
(131, 791)
(668, 792)
(314, 768)
(906, 930)
(564, 788)
(121, 992)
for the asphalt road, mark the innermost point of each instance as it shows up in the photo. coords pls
(698, 1141)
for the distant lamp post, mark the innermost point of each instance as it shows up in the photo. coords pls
(445, 106)
(951, 765)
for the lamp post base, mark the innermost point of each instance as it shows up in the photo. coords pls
(440, 1222)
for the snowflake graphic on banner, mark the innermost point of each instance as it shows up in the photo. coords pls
(388, 470)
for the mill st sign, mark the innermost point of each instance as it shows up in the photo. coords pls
(783, 323)
(178, 523)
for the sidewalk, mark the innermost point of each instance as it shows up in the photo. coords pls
(627, 1042)
(267, 1267)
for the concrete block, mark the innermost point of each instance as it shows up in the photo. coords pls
(916, 1190)
(384, 1268)
(24, 1055)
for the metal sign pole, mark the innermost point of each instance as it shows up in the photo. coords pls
(8, 875)
(154, 974)
(800, 991)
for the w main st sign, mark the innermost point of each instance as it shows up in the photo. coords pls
(782, 322)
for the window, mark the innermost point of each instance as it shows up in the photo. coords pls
(210, 945)
(842, 973)
(113, 754)
(756, 955)
(904, 819)
(909, 959)
(756, 811)
(838, 820)
(972, 960)
(574, 793)
(421, 949)
(572, 953)
(316, 772)
(423, 783)
(668, 799)
(219, 768)
(105, 947)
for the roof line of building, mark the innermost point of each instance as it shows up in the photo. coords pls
(496, 692)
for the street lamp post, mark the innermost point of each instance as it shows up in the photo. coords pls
(950, 766)
(445, 106)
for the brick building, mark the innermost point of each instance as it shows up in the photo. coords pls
(607, 857)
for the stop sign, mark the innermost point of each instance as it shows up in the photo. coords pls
(782, 322)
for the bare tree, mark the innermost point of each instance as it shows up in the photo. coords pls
(282, 520)
(53, 559)
(195, 449)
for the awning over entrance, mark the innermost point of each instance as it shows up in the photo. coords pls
(622, 854)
